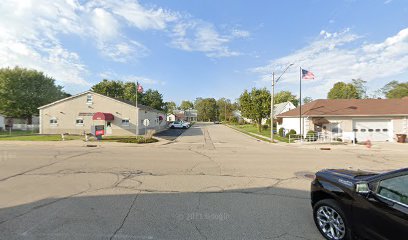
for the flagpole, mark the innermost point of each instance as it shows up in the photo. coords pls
(300, 103)
(137, 111)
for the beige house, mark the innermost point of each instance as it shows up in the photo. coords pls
(86, 111)
(348, 119)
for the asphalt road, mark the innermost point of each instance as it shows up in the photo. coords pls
(211, 183)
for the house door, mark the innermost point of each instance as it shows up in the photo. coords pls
(108, 128)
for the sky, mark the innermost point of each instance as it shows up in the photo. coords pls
(207, 48)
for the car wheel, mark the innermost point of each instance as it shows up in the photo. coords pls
(172, 127)
(330, 220)
(184, 127)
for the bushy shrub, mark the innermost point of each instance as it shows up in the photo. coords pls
(265, 127)
(281, 131)
(292, 132)
(234, 120)
(311, 136)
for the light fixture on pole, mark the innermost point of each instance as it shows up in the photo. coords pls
(273, 96)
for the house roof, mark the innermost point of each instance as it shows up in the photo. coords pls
(140, 106)
(278, 108)
(351, 107)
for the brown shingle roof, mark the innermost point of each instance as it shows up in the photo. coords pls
(351, 107)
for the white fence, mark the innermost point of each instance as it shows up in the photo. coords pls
(326, 137)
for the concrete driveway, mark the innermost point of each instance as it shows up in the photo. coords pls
(210, 183)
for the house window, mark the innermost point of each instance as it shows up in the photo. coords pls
(79, 122)
(355, 130)
(371, 130)
(89, 99)
(125, 122)
(54, 122)
(362, 130)
(385, 130)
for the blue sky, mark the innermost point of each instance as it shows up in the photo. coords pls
(188, 49)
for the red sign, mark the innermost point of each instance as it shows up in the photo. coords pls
(99, 132)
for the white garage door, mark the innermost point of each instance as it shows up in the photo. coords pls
(373, 130)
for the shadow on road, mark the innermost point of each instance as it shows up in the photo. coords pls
(252, 213)
(172, 134)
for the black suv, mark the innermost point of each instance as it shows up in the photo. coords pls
(361, 205)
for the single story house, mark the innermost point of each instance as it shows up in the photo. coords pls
(349, 119)
(88, 112)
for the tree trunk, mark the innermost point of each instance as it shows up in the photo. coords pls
(259, 123)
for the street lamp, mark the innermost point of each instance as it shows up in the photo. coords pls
(273, 96)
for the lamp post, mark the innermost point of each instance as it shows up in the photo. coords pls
(273, 96)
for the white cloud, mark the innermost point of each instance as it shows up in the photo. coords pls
(131, 78)
(194, 35)
(240, 33)
(28, 38)
(341, 57)
(141, 17)
(31, 34)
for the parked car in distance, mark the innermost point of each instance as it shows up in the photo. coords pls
(179, 124)
(361, 205)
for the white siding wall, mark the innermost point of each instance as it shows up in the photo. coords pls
(293, 123)
(2, 124)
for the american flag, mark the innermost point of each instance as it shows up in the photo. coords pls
(307, 74)
(139, 88)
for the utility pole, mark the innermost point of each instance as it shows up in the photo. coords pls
(272, 103)
(273, 98)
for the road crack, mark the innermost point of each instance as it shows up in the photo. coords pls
(125, 217)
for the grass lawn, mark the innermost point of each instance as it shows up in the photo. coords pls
(36, 137)
(249, 128)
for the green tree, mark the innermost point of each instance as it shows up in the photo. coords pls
(286, 96)
(206, 109)
(343, 90)
(127, 91)
(186, 105)
(307, 100)
(256, 105)
(225, 109)
(169, 107)
(22, 91)
(395, 89)
(153, 98)
(361, 87)
(110, 88)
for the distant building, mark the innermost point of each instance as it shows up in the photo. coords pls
(171, 117)
(189, 115)
(283, 107)
(81, 113)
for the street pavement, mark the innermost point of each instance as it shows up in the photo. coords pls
(212, 182)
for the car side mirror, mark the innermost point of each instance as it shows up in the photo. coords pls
(362, 188)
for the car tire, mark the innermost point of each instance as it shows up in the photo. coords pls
(172, 127)
(336, 220)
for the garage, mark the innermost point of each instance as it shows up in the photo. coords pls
(377, 130)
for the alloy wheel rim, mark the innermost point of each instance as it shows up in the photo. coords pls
(331, 223)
